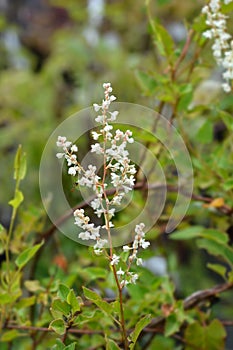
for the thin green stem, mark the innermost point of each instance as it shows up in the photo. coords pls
(9, 236)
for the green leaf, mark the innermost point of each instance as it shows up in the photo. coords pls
(34, 286)
(10, 335)
(146, 82)
(27, 255)
(142, 323)
(111, 344)
(215, 235)
(25, 302)
(205, 133)
(211, 337)
(6, 298)
(17, 200)
(3, 239)
(161, 343)
(2, 229)
(59, 345)
(96, 273)
(172, 325)
(20, 164)
(58, 326)
(187, 233)
(63, 291)
(228, 185)
(217, 249)
(219, 269)
(96, 299)
(73, 301)
(162, 40)
(60, 306)
(227, 119)
(70, 347)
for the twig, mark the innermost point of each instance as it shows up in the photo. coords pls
(44, 329)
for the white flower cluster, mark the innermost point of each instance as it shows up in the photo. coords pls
(223, 44)
(90, 230)
(118, 172)
(127, 277)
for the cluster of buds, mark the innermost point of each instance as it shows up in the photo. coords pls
(118, 173)
(223, 44)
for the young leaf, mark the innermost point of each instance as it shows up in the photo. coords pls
(58, 326)
(60, 306)
(63, 291)
(17, 200)
(70, 347)
(59, 345)
(96, 299)
(25, 302)
(6, 298)
(142, 323)
(2, 229)
(73, 301)
(172, 325)
(220, 269)
(10, 335)
(20, 164)
(111, 344)
(163, 40)
(27, 255)
(187, 233)
(217, 249)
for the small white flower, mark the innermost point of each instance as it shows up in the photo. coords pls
(60, 155)
(113, 116)
(84, 235)
(79, 212)
(126, 248)
(139, 228)
(96, 148)
(74, 148)
(144, 244)
(95, 135)
(115, 259)
(106, 85)
(108, 127)
(71, 159)
(112, 98)
(133, 277)
(96, 107)
(99, 119)
(208, 34)
(100, 243)
(139, 261)
(61, 141)
(120, 272)
(96, 203)
(226, 87)
(72, 171)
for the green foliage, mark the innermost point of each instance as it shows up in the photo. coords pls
(27, 255)
(142, 323)
(205, 337)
